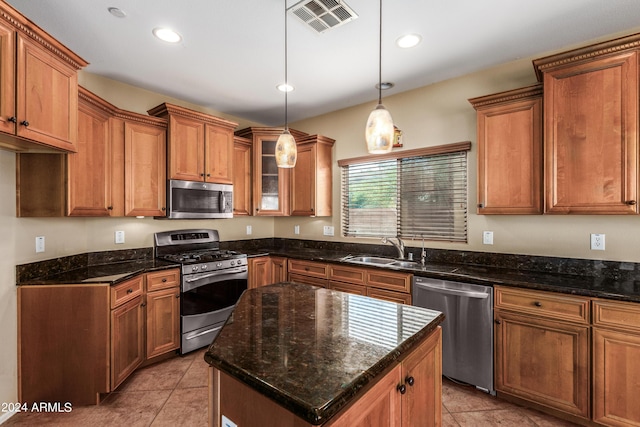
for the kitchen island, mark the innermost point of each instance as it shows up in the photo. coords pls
(297, 355)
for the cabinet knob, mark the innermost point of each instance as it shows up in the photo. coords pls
(402, 388)
(129, 291)
(144, 304)
(498, 321)
(208, 174)
(410, 381)
(481, 205)
(24, 123)
(537, 304)
(202, 174)
(110, 208)
(13, 119)
(178, 296)
(163, 209)
(164, 280)
(630, 202)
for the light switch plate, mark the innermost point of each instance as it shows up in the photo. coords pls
(328, 230)
(487, 237)
(39, 244)
(119, 237)
(296, 229)
(249, 229)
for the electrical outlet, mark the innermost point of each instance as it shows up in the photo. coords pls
(597, 242)
(119, 237)
(328, 230)
(487, 237)
(39, 244)
(296, 229)
(249, 230)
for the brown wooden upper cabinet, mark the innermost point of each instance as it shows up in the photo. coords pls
(242, 186)
(510, 151)
(304, 190)
(119, 168)
(591, 128)
(39, 87)
(200, 146)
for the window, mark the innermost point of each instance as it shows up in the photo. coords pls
(410, 194)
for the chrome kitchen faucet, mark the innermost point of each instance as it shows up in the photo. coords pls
(399, 246)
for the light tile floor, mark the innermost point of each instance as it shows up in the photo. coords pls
(174, 393)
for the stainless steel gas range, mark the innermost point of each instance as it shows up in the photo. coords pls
(212, 281)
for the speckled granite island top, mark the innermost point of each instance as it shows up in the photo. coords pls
(312, 349)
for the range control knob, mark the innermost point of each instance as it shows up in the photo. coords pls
(233, 263)
(194, 268)
(203, 267)
(219, 265)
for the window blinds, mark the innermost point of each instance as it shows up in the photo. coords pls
(412, 196)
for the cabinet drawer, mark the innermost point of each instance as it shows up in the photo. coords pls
(126, 291)
(308, 280)
(347, 274)
(544, 304)
(308, 268)
(348, 287)
(163, 279)
(393, 296)
(616, 314)
(388, 280)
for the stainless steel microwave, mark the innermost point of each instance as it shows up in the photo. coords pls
(199, 200)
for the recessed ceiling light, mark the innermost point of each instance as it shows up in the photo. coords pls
(118, 13)
(409, 40)
(167, 35)
(384, 85)
(284, 87)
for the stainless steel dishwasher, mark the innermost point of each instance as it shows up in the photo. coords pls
(467, 330)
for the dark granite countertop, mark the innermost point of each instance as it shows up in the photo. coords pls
(110, 273)
(620, 287)
(312, 349)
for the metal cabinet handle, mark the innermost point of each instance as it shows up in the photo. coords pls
(481, 205)
(144, 304)
(178, 296)
(24, 123)
(110, 208)
(129, 291)
(13, 119)
(410, 381)
(630, 202)
(537, 304)
(498, 321)
(402, 388)
(164, 279)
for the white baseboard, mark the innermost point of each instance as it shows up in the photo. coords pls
(5, 416)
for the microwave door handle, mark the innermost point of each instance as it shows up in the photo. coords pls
(222, 202)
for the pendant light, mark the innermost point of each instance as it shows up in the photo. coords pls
(379, 130)
(286, 150)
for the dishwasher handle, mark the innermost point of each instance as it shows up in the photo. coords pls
(451, 291)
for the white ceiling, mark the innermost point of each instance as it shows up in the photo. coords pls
(232, 54)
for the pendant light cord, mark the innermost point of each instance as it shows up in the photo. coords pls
(380, 59)
(286, 79)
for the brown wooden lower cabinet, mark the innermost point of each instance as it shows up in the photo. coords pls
(78, 341)
(259, 272)
(380, 405)
(127, 340)
(539, 355)
(616, 363)
(373, 282)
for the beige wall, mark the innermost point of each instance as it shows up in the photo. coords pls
(433, 115)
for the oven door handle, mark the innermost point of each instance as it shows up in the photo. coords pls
(199, 334)
(214, 274)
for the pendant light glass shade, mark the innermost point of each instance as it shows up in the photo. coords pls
(379, 131)
(286, 150)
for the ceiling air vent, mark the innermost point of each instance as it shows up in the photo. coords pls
(322, 15)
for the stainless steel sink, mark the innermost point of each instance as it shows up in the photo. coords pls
(381, 261)
(406, 264)
(370, 260)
